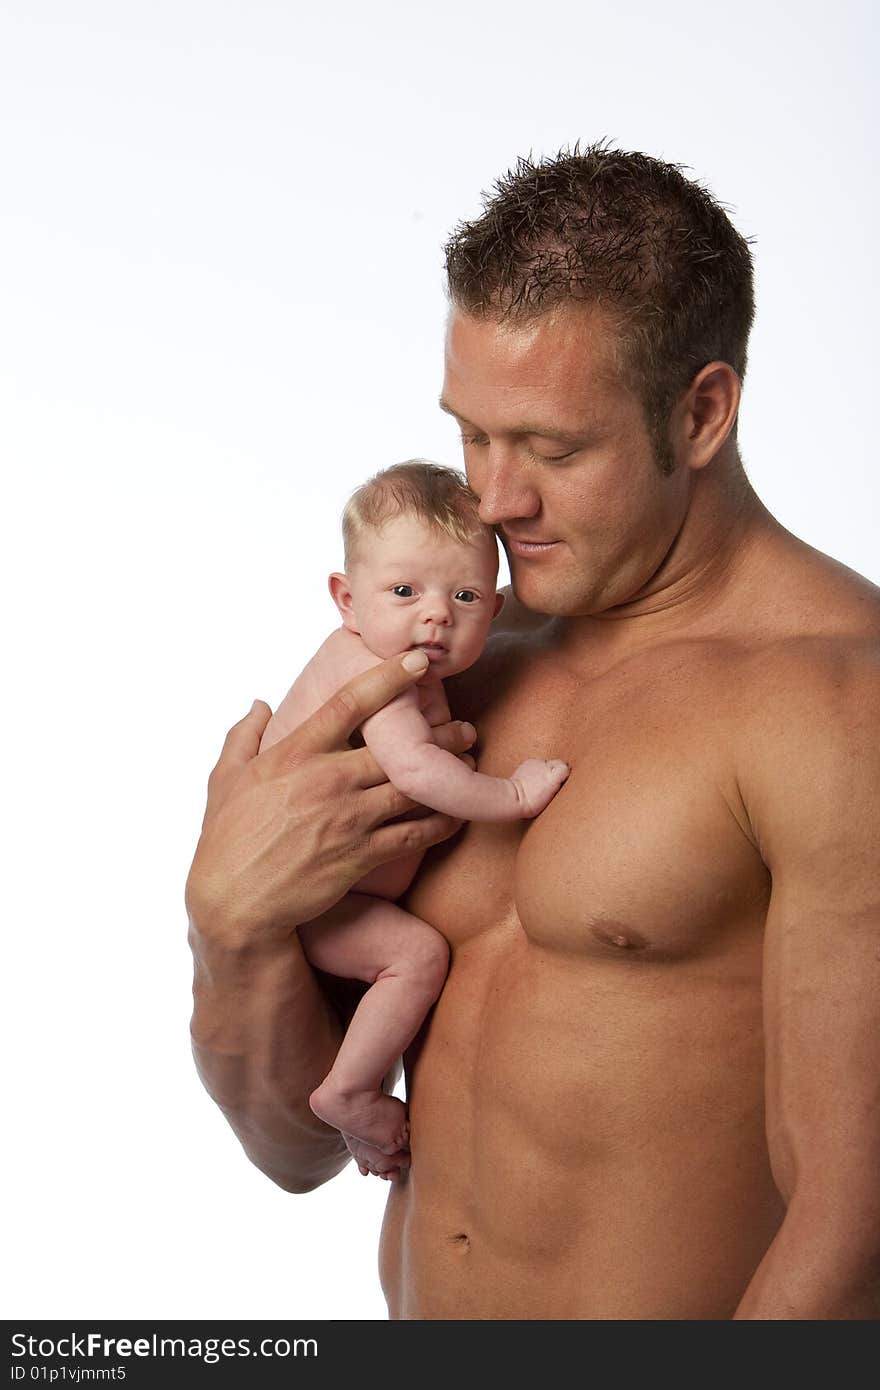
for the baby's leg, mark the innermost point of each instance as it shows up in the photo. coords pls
(405, 963)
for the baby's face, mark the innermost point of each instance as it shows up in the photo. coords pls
(412, 586)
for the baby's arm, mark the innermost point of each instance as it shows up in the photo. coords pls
(399, 737)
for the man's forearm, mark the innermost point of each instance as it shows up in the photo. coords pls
(263, 1036)
(823, 1265)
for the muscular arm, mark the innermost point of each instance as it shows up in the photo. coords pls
(812, 802)
(285, 835)
(258, 1059)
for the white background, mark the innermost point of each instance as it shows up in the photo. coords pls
(221, 306)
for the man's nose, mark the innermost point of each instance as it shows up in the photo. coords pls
(503, 486)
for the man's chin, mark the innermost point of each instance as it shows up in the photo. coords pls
(552, 605)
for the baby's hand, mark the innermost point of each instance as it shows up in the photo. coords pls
(537, 782)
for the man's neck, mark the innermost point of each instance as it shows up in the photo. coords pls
(720, 541)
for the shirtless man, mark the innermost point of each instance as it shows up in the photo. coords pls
(649, 1088)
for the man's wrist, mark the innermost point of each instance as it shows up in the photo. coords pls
(222, 941)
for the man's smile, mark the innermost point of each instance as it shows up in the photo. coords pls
(526, 546)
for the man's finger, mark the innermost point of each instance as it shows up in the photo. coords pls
(456, 737)
(384, 803)
(329, 727)
(408, 837)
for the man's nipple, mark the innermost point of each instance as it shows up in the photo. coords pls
(615, 934)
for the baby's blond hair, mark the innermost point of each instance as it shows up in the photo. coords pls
(437, 495)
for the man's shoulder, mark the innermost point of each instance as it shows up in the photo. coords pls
(806, 712)
(823, 672)
(793, 688)
(802, 592)
(817, 625)
(805, 623)
(807, 752)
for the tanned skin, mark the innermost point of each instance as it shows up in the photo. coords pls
(650, 1086)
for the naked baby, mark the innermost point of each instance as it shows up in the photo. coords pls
(421, 571)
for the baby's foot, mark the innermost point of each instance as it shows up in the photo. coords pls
(371, 1116)
(537, 781)
(372, 1161)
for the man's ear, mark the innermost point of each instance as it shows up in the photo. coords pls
(705, 414)
(499, 604)
(340, 592)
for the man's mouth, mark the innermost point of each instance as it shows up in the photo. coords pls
(525, 545)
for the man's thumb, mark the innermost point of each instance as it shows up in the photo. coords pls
(256, 719)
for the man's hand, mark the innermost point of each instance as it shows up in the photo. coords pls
(288, 832)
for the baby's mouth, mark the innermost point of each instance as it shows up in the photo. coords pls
(432, 648)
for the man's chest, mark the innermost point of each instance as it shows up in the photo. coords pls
(642, 852)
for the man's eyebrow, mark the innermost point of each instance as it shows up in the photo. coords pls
(539, 431)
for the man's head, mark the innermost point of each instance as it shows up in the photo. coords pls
(600, 315)
(420, 565)
(624, 233)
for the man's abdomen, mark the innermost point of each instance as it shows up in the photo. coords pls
(588, 1138)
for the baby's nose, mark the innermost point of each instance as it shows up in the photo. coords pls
(437, 610)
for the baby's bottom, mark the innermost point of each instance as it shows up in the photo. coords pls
(390, 880)
(405, 963)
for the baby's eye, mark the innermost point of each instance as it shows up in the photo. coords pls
(467, 596)
(403, 590)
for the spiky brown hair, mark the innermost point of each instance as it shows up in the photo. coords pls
(628, 233)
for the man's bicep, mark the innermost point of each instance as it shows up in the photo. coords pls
(822, 1041)
(814, 811)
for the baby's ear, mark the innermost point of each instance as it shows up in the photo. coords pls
(499, 604)
(340, 592)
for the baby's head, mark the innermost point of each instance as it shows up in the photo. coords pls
(421, 567)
